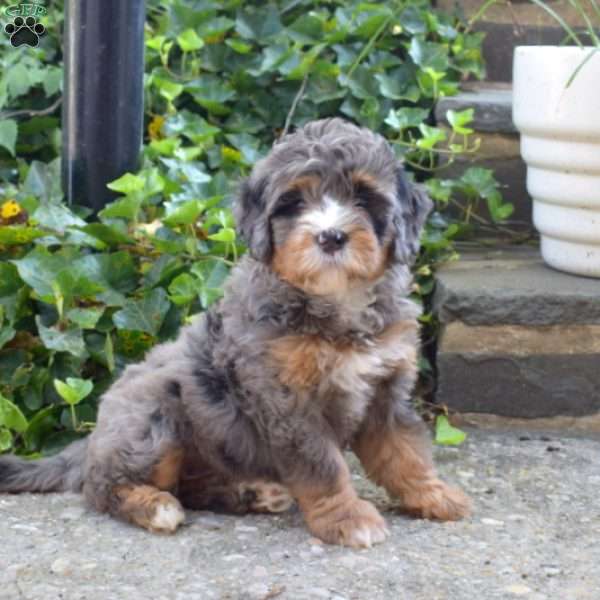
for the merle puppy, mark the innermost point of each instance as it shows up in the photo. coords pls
(311, 351)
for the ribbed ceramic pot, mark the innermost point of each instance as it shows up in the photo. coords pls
(560, 142)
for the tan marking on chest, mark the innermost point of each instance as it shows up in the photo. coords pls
(307, 361)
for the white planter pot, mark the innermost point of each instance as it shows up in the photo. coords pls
(560, 142)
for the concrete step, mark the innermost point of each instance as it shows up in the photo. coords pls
(517, 339)
(500, 150)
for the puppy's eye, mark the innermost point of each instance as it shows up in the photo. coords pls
(289, 204)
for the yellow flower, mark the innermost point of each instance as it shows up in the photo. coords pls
(155, 127)
(10, 209)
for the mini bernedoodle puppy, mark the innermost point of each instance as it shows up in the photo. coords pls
(312, 350)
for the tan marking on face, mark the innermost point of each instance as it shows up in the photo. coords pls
(165, 474)
(150, 508)
(300, 261)
(400, 461)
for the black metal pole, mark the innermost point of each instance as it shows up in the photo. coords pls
(103, 96)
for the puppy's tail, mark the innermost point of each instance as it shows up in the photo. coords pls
(60, 473)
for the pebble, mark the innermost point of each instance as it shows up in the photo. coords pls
(232, 557)
(318, 550)
(259, 571)
(246, 529)
(61, 566)
(492, 522)
(73, 513)
(518, 589)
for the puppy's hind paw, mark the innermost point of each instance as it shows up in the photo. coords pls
(436, 500)
(167, 514)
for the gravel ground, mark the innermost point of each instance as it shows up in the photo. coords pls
(535, 533)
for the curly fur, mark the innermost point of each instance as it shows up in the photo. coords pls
(307, 354)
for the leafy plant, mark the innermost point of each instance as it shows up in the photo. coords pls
(82, 297)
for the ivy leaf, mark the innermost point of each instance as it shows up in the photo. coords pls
(124, 208)
(458, 120)
(183, 213)
(404, 118)
(74, 390)
(189, 41)
(184, 289)
(11, 416)
(226, 234)
(8, 135)
(86, 318)
(127, 184)
(146, 314)
(7, 333)
(16, 235)
(68, 340)
(445, 434)
(431, 136)
(6, 439)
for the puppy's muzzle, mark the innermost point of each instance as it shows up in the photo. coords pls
(332, 240)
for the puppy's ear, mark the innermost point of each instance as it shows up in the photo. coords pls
(250, 213)
(413, 206)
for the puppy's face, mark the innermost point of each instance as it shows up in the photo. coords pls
(331, 233)
(330, 208)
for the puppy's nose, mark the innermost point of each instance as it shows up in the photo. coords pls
(332, 240)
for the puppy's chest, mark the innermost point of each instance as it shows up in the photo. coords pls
(311, 363)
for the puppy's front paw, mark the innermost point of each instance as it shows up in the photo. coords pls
(165, 514)
(357, 524)
(433, 499)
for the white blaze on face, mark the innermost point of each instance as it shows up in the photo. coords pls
(331, 214)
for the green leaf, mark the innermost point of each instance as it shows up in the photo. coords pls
(183, 213)
(16, 235)
(189, 41)
(86, 318)
(8, 135)
(445, 434)
(74, 390)
(69, 339)
(11, 415)
(169, 90)
(7, 333)
(127, 184)
(458, 120)
(6, 439)
(56, 216)
(125, 208)
(404, 118)
(184, 289)
(431, 136)
(145, 315)
(109, 234)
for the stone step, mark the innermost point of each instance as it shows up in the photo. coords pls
(500, 150)
(517, 339)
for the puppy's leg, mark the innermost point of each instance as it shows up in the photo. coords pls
(152, 506)
(395, 450)
(134, 455)
(332, 510)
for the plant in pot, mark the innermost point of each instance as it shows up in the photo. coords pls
(557, 110)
